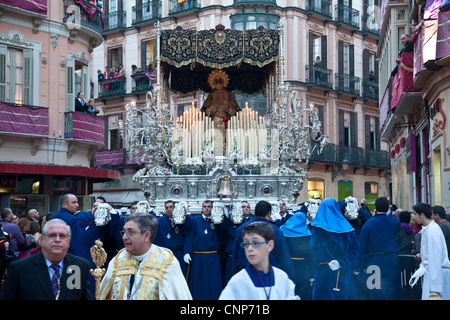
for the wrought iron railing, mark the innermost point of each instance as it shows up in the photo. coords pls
(370, 87)
(188, 6)
(80, 17)
(140, 83)
(319, 76)
(111, 88)
(147, 12)
(348, 84)
(115, 20)
(322, 7)
(347, 15)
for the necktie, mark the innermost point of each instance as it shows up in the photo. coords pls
(55, 279)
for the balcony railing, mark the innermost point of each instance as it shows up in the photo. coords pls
(370, 87)
(356, 157)
(89, 16)
(321, 7)
(317, 76)
(141, 83)
(345, 14)
(147, 12)
(23, 119)
(115, 21)
(82, 126)
(348, 84)
(369, 25)
(258, 2)
(111, 88)
(110, 157)
(186, 7)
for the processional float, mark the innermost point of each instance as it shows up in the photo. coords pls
(196, 155)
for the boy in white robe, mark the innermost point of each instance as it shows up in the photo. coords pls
(259, 280)
(434, 265)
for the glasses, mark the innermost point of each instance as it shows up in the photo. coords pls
(129, 233)
(255, 244)
(54, 236)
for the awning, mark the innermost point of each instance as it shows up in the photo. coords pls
(123, 198)
(44, 169)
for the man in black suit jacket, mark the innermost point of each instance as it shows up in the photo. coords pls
(30, 278)
(80, 104)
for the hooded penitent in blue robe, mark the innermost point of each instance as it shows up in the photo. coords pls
(379, 257)
(333, 238)
(297, 236)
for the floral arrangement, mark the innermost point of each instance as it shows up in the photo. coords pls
(250, 161)
(284, 171)
(193, 161)
(150, 172)
(235, 153)
(264, 157)
(207, 152)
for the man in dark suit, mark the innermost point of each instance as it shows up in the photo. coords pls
(80, 104)
(51, 274)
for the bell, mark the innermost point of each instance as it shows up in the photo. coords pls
(225, 188)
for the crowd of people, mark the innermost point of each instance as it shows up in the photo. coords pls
(322, 250)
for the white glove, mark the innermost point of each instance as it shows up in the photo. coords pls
(334, 265)
(187, 258)
(415, 277)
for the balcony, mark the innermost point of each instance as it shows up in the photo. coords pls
(255, 2)
(355, 157)
(86, 16)
(345, 83)
(189, 6)
(141, 83)
(147, 12)
(319, 7)
(370, 88)
(84, 127)
(369, 25)
(319, 77)
(23, 120)
(115, 21)
(111, 88)
(108, 158)
(345, 15)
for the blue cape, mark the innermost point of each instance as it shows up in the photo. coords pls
(296, 226)
(330, 218)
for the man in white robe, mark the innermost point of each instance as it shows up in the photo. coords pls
(142, 270)
(434, 265)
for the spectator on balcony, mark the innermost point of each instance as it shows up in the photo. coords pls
(91, 108)
(133, 69)
(372, 79)
(121, 71)
(317, 69)
(80, 104)
(100, 75)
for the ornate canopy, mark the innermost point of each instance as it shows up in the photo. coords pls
(248, 57)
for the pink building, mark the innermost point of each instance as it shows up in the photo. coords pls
(45, 147)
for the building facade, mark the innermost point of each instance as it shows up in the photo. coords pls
(45, 147)
(414, 101)
(343, 88)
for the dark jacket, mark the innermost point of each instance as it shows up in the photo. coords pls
(29, 279)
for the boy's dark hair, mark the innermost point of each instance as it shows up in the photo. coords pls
(261, 228)
(262, 208)
(382, 204)
(439, 210)
(405, 216)
(424, 208)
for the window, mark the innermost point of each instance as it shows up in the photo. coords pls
(348, 128)
(115, 142)
(15, 75)
(316, 188)
(248, 21)
(371, 194)
(148, 54)
(345, 189)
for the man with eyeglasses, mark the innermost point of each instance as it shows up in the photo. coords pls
(50, 274)
(143, 270)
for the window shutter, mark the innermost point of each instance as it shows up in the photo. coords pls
(377, 134)
(120, 56)
(341, 128)
(27, 76)
(354, 129)
(70, 85)
(340, 57)
(367, 132)
(143, 55)
(3, 52)
(324, 52)
(366, 64)
(311, 48)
